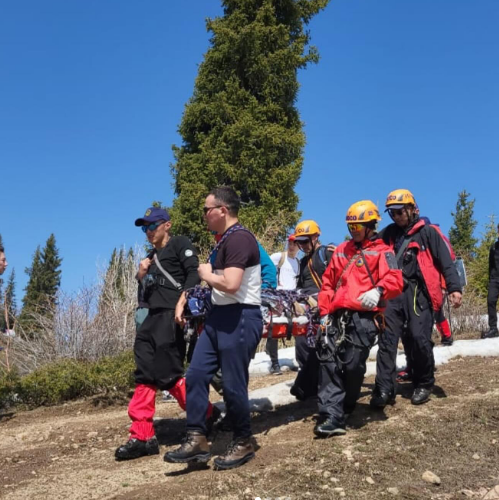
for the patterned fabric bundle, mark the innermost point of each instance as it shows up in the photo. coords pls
(276, 304)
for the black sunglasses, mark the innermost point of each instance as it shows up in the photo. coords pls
(206, 210)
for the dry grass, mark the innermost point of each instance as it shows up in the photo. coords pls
(392, 448)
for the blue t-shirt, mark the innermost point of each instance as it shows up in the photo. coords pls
(269, 271)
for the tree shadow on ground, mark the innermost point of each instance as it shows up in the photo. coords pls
(5, 417)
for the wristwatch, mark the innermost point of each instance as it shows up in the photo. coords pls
(381, 290)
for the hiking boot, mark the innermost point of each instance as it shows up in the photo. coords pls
(275, 370)
(421, 395)
(328, 428)
(136, 448)
(403, 376)
(381, 399)
(213, 421)
(194, 448)
(297, 393)
(493, 332)
(448, 341)
(237, 453)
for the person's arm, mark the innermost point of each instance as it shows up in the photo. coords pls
(441, 255)
(326, 294)
(229, 281)
(390, 276)
(143, 268)
(491, 259)
(189, 262)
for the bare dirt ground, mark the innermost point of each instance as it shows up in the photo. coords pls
(67, 452)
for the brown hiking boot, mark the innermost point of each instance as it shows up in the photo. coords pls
(194, 448)
(238, 453)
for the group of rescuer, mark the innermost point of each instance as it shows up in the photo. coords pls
(376, 286)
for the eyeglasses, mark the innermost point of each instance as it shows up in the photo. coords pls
(153, 226)
(207, 210)
(396, 212)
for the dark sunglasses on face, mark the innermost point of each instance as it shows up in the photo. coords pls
(207, 210)
(396, 212)
(152, 227)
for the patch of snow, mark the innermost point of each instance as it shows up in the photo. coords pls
(268, 398)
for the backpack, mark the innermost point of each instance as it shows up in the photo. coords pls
(318, 263)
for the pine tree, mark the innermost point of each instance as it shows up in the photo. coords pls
(9, 303)
(461, 233)
(51, 270)
(479, 267)
(241, 127)
(43, 285)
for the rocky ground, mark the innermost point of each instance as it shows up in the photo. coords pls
(67, 452)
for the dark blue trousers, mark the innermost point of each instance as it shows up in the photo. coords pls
(228, 341)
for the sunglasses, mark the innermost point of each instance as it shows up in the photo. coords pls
(152, 227)
(396, 212)
(355, 228)
(207, 210)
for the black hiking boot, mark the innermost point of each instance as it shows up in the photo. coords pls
(195, 448)
(136, 448)
(275, 370)
(421, 395)
(448, 341)
(328, 428)
(493, 332)
(238, 452)
(380, 399)
(297, 393)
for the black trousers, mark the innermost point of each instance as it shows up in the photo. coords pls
(341, 376)
(159, 350)
(302, 351)
(492, 297)
(272, 348)
(409, 316)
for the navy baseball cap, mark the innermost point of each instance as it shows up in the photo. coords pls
(153, 214)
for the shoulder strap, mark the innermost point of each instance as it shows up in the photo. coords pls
(282, 259)
(167, 275)
(349, 263)
(402, 249)
(234, 228)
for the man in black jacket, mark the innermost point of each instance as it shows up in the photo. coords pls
(493, 292)
(424, 257)
(312, 267)
(159, 347)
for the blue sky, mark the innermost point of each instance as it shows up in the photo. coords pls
(92, 91)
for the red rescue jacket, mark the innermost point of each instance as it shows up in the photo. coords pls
(432, 275)
(355, 279)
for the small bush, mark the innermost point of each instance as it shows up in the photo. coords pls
(66, 379)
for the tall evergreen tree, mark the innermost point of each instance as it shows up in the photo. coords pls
(461, 233)
(43, 284)
(479, 267)
(51, 269)
(9, 309)
(241, 127)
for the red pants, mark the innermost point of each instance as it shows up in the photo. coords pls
(143, 404)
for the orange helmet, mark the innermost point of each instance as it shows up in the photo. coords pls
(362, 211)
(399, 198)
(307, 228)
